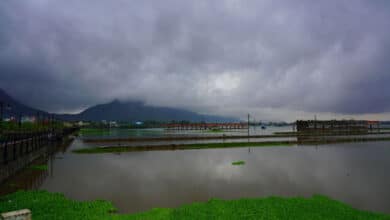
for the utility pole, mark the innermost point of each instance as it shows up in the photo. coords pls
(20, 121)
(37, 120)
(248, 124)
(51, 122)
(1, 116)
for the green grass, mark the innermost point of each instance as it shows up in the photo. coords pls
(39, 167)
(238, 163)
(46, 205)
(116, 149)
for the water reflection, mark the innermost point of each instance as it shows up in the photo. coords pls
(354, 173)
(25, 180)
(32, 179)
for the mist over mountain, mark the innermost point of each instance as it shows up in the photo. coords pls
(13, 107)
(138, 111)
(114, 111)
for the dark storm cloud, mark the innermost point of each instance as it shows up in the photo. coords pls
(220, 56)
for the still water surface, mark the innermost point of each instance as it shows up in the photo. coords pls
(355, 173)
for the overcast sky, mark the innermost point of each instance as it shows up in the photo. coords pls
(277, 59)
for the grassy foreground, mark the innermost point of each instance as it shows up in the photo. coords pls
(119, 149)
(46, 205)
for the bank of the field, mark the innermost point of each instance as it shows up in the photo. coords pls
(119, 149)
(315, 141)
(46, 205)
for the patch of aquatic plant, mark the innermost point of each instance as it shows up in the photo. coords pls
(45, 205)
(39, 167)
(116, 149)
(238, 163)
(215, 130)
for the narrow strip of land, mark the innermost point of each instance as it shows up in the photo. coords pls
(226, 137)
(313, 141)
(119, 149)
(180, 138)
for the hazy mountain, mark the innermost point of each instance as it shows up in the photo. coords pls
(13, 107)
(113, 111)
(138, 111)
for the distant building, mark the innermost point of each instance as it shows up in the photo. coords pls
(82, 123)
(139, 123)
(28, 119)
(113, 124)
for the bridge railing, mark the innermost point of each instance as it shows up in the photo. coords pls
(14, 145)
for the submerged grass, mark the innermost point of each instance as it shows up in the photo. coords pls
(116, 149)
(215, 130)
(45, 205)
(238, 163)
(39, 167)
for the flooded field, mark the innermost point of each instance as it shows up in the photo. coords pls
(354, 173)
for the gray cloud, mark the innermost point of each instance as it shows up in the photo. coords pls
(225, 57)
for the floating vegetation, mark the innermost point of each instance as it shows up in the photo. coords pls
(45, 205)
(238, 163)
(39, 167)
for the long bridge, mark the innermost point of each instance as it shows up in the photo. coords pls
(205, 126)
(335, 126)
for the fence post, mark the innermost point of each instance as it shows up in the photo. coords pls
(6, 150)
(13, 146)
